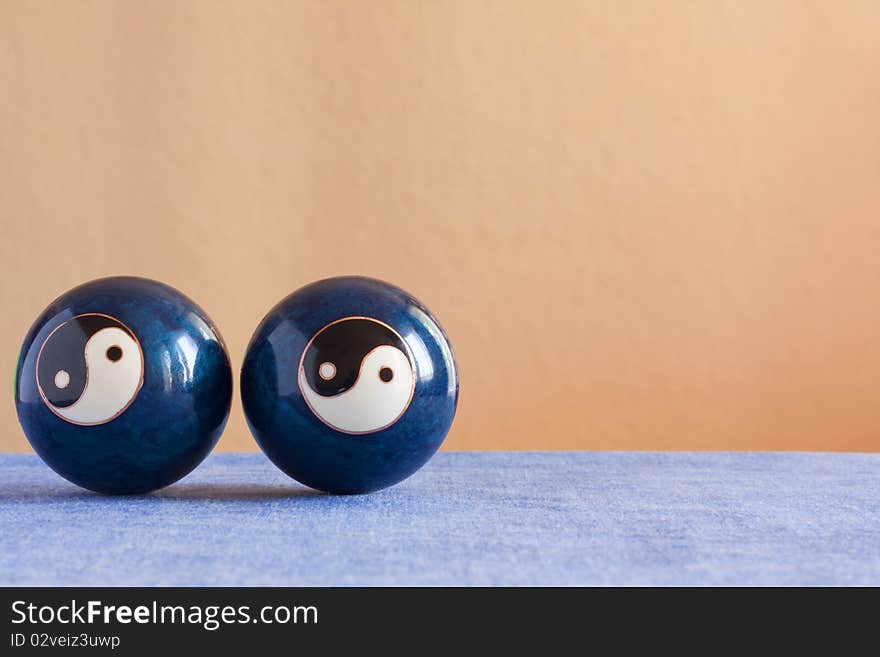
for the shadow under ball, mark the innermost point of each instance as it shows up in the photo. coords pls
(123, 385)
(349, 385)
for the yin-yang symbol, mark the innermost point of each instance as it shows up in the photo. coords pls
(90, 369)
(356, 375)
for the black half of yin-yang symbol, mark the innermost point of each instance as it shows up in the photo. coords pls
(90, 369)
(356, 375)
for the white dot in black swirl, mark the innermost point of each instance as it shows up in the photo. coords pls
(90, 369)
(356, 375)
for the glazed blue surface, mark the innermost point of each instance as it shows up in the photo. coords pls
(289, 432)
(174, 420)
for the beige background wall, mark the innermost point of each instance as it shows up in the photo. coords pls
(643, 224)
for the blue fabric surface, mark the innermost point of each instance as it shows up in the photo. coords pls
(558, 518)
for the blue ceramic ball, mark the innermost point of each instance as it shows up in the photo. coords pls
(123, 385)
(349, 385)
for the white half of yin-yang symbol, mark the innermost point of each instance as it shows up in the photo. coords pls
(90, 369)
(356, 375)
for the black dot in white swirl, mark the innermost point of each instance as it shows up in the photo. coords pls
(90, 369)
(356, 375)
